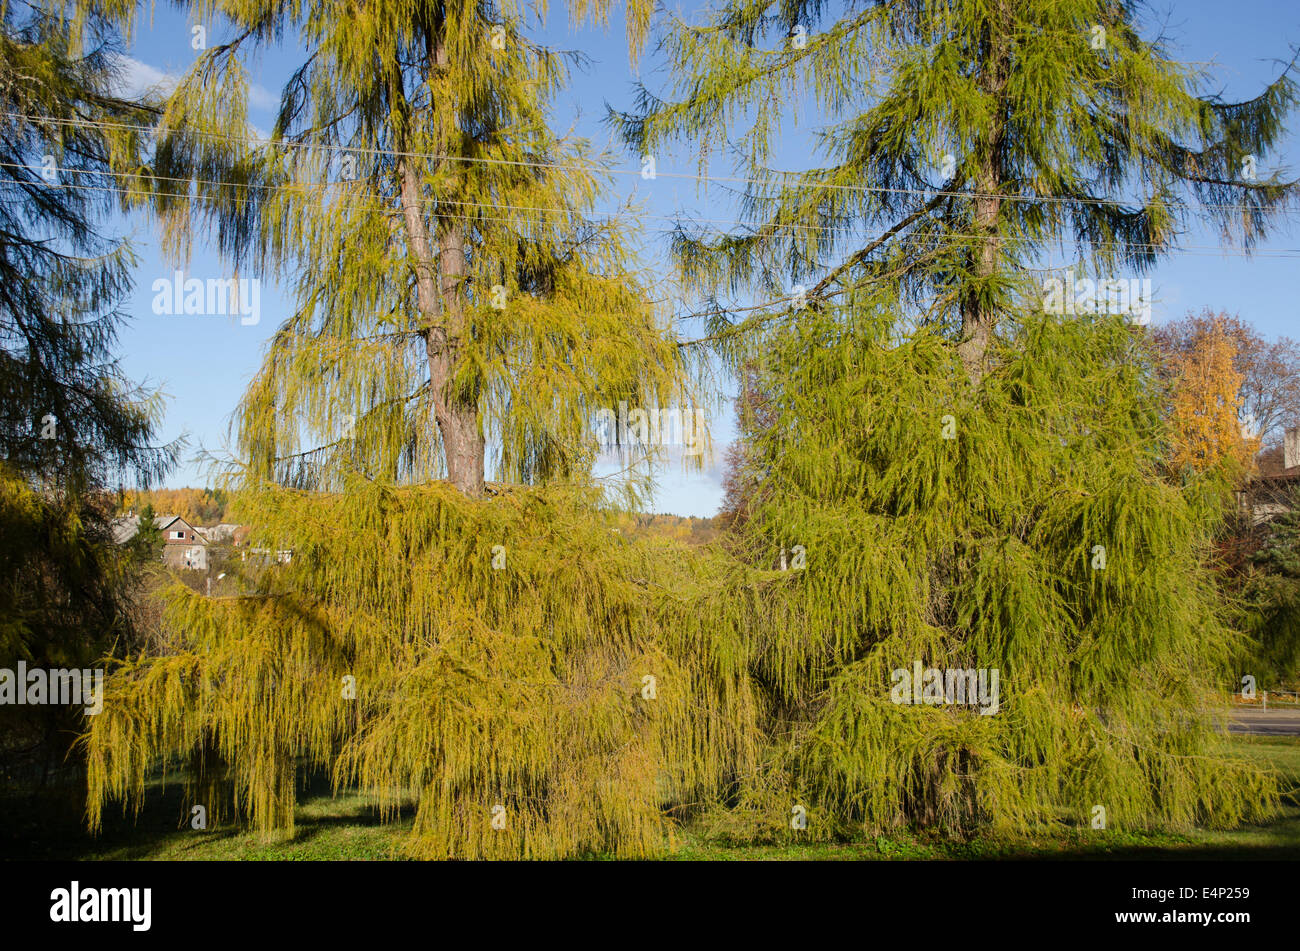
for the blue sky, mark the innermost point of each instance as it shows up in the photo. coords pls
(203, 363)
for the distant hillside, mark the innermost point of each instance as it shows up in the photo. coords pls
(196, 506)
(687, 528)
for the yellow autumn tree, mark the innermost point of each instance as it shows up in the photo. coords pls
(196, 506)
(1206, 404)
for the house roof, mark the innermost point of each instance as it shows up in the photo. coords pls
(217, 533)
(125, 527)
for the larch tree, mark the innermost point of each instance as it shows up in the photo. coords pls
(961, 140)
(950, 477)
(456, 295)
(72, 426)
(972, 473)
(498, 656)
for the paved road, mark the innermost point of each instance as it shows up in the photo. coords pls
(1265, 722)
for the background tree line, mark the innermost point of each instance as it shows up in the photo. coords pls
(197, 506)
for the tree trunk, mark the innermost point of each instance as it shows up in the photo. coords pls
(978, 315)
(462, 439)
(440, 296)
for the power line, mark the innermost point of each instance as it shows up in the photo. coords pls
(1205, 250)
(608, 170)
(375, 197)
(780, 305)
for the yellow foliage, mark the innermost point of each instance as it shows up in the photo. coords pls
(534, 683)
(1205, 406)
(196, 506)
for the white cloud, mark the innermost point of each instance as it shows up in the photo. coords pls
(135, 78)
(259, 97)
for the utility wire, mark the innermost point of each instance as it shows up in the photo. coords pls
(1209, 250)
(792, 178)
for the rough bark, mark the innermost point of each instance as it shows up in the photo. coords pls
(440, 297)
(978, 316)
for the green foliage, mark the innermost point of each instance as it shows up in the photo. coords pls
(519, 686)
(62, 605)
(60, 599)
(978, 551)
(958, 142)
(147, 543)
(961, 142)
(455, 297)
(66, 413)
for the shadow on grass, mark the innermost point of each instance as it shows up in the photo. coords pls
(50, 825)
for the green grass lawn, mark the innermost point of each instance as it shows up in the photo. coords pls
(347, 827)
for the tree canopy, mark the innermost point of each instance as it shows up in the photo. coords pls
(959, 141)
(457, 295)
